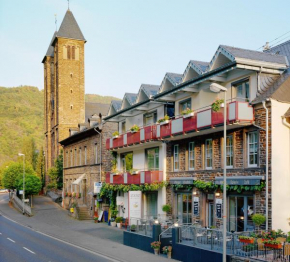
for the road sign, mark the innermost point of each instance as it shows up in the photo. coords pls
(20, 192)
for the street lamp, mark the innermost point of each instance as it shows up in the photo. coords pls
(214, 87)
(23, 196)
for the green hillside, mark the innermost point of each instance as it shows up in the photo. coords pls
(21, 115)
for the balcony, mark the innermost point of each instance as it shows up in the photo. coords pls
(237, 112)
(142, 177)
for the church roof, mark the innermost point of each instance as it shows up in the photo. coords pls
(69, 28)
(50, 50)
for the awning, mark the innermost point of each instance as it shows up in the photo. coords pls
(181, 180)
(77, 181)
(240, 180)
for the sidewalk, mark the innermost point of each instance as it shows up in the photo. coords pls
(51, 219)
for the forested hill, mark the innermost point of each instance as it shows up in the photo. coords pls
(21, 116)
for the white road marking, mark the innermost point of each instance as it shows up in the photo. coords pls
(10, 240)
(29, 250)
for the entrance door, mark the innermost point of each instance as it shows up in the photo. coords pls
(210, 214)
(241, 209)
(184, 208)
(151, 205)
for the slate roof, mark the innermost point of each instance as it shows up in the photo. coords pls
(50, 50)
(203, 66)
(280, 90)
(150, 90)
(175, 78)
(131, 97)
(255, 55)
(69, 28)
(117, 104)
(92, 108)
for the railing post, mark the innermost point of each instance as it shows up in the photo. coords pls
(194, 236)
(176, 235)
(156, 232)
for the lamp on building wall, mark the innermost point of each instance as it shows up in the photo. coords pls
(214, 87)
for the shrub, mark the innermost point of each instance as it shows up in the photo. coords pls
(133, 227)
(119, 219)
(116, 133)
(216, 105)
(135, 128)
(166, 208)
(258, 219)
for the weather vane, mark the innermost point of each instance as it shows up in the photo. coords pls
(55, 20)
(68, 4)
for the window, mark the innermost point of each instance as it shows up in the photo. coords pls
(123, 126)
(85, 155)
(243, 90)
(68, 52)
(76, 157)
(253, 149)
(96, 153)
(208, 154)
(176, 157)
(127, 161)
(183, 105)
(150, 118)
(229, 151)
(152, 158)
(67, 163)
(71, 158)
(169, 109)
(80, 151)
(191, 156)
(73, 48)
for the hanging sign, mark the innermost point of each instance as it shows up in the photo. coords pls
(135, 204)
(195, 206)
(97, 187)
(218, 204)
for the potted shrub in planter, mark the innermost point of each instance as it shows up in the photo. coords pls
(115, 134)
(167, 250)
(217, 104)
(187, 113)
(258, 219)
(164, 120)
(272, 243)
(134, 129)
(113, 217)
(156, 246)
(247, 240)
(119, 221)
(133, 228)
(96, 219)
(166, 208)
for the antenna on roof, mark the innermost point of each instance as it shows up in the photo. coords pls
(266, 46)
(55, 21)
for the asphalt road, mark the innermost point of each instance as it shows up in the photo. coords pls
(18, 243)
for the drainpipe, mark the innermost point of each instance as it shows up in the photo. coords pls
(267, 167)
(100, 134)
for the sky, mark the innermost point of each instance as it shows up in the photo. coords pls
(134, 42)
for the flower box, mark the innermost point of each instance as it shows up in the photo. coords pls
(274, 246)
(114, 137)
(164, 122)
(247, 241)
(188, 115)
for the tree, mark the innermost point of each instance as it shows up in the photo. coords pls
(14, 170)
(29, 149)
(2, 168)
(56, 173)
(40, 170)
(32, 184)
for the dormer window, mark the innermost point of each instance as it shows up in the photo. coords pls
(242, 90)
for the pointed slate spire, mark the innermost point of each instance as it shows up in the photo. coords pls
(69, 28)
(50, 50)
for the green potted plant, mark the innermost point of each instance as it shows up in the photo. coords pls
(167, 250)
(156, 246)
(133, 228)
(246, 239)
(114, 213)
(166, 208)
(217, 104)
(258, 219)
(187, 113)
(164, 120)
(96, 219)
(119, 221)
(115, 134)
(134, 129)
(272, 243)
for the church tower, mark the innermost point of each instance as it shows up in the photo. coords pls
(64, 87)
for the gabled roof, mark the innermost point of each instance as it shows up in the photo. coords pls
(50, 50)
(282, 49)
(226, 54)
(150, 90)
(69, 28)
(194, 69)
(131, 98)
(173, 78)
(116, 104)
(92, 108)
